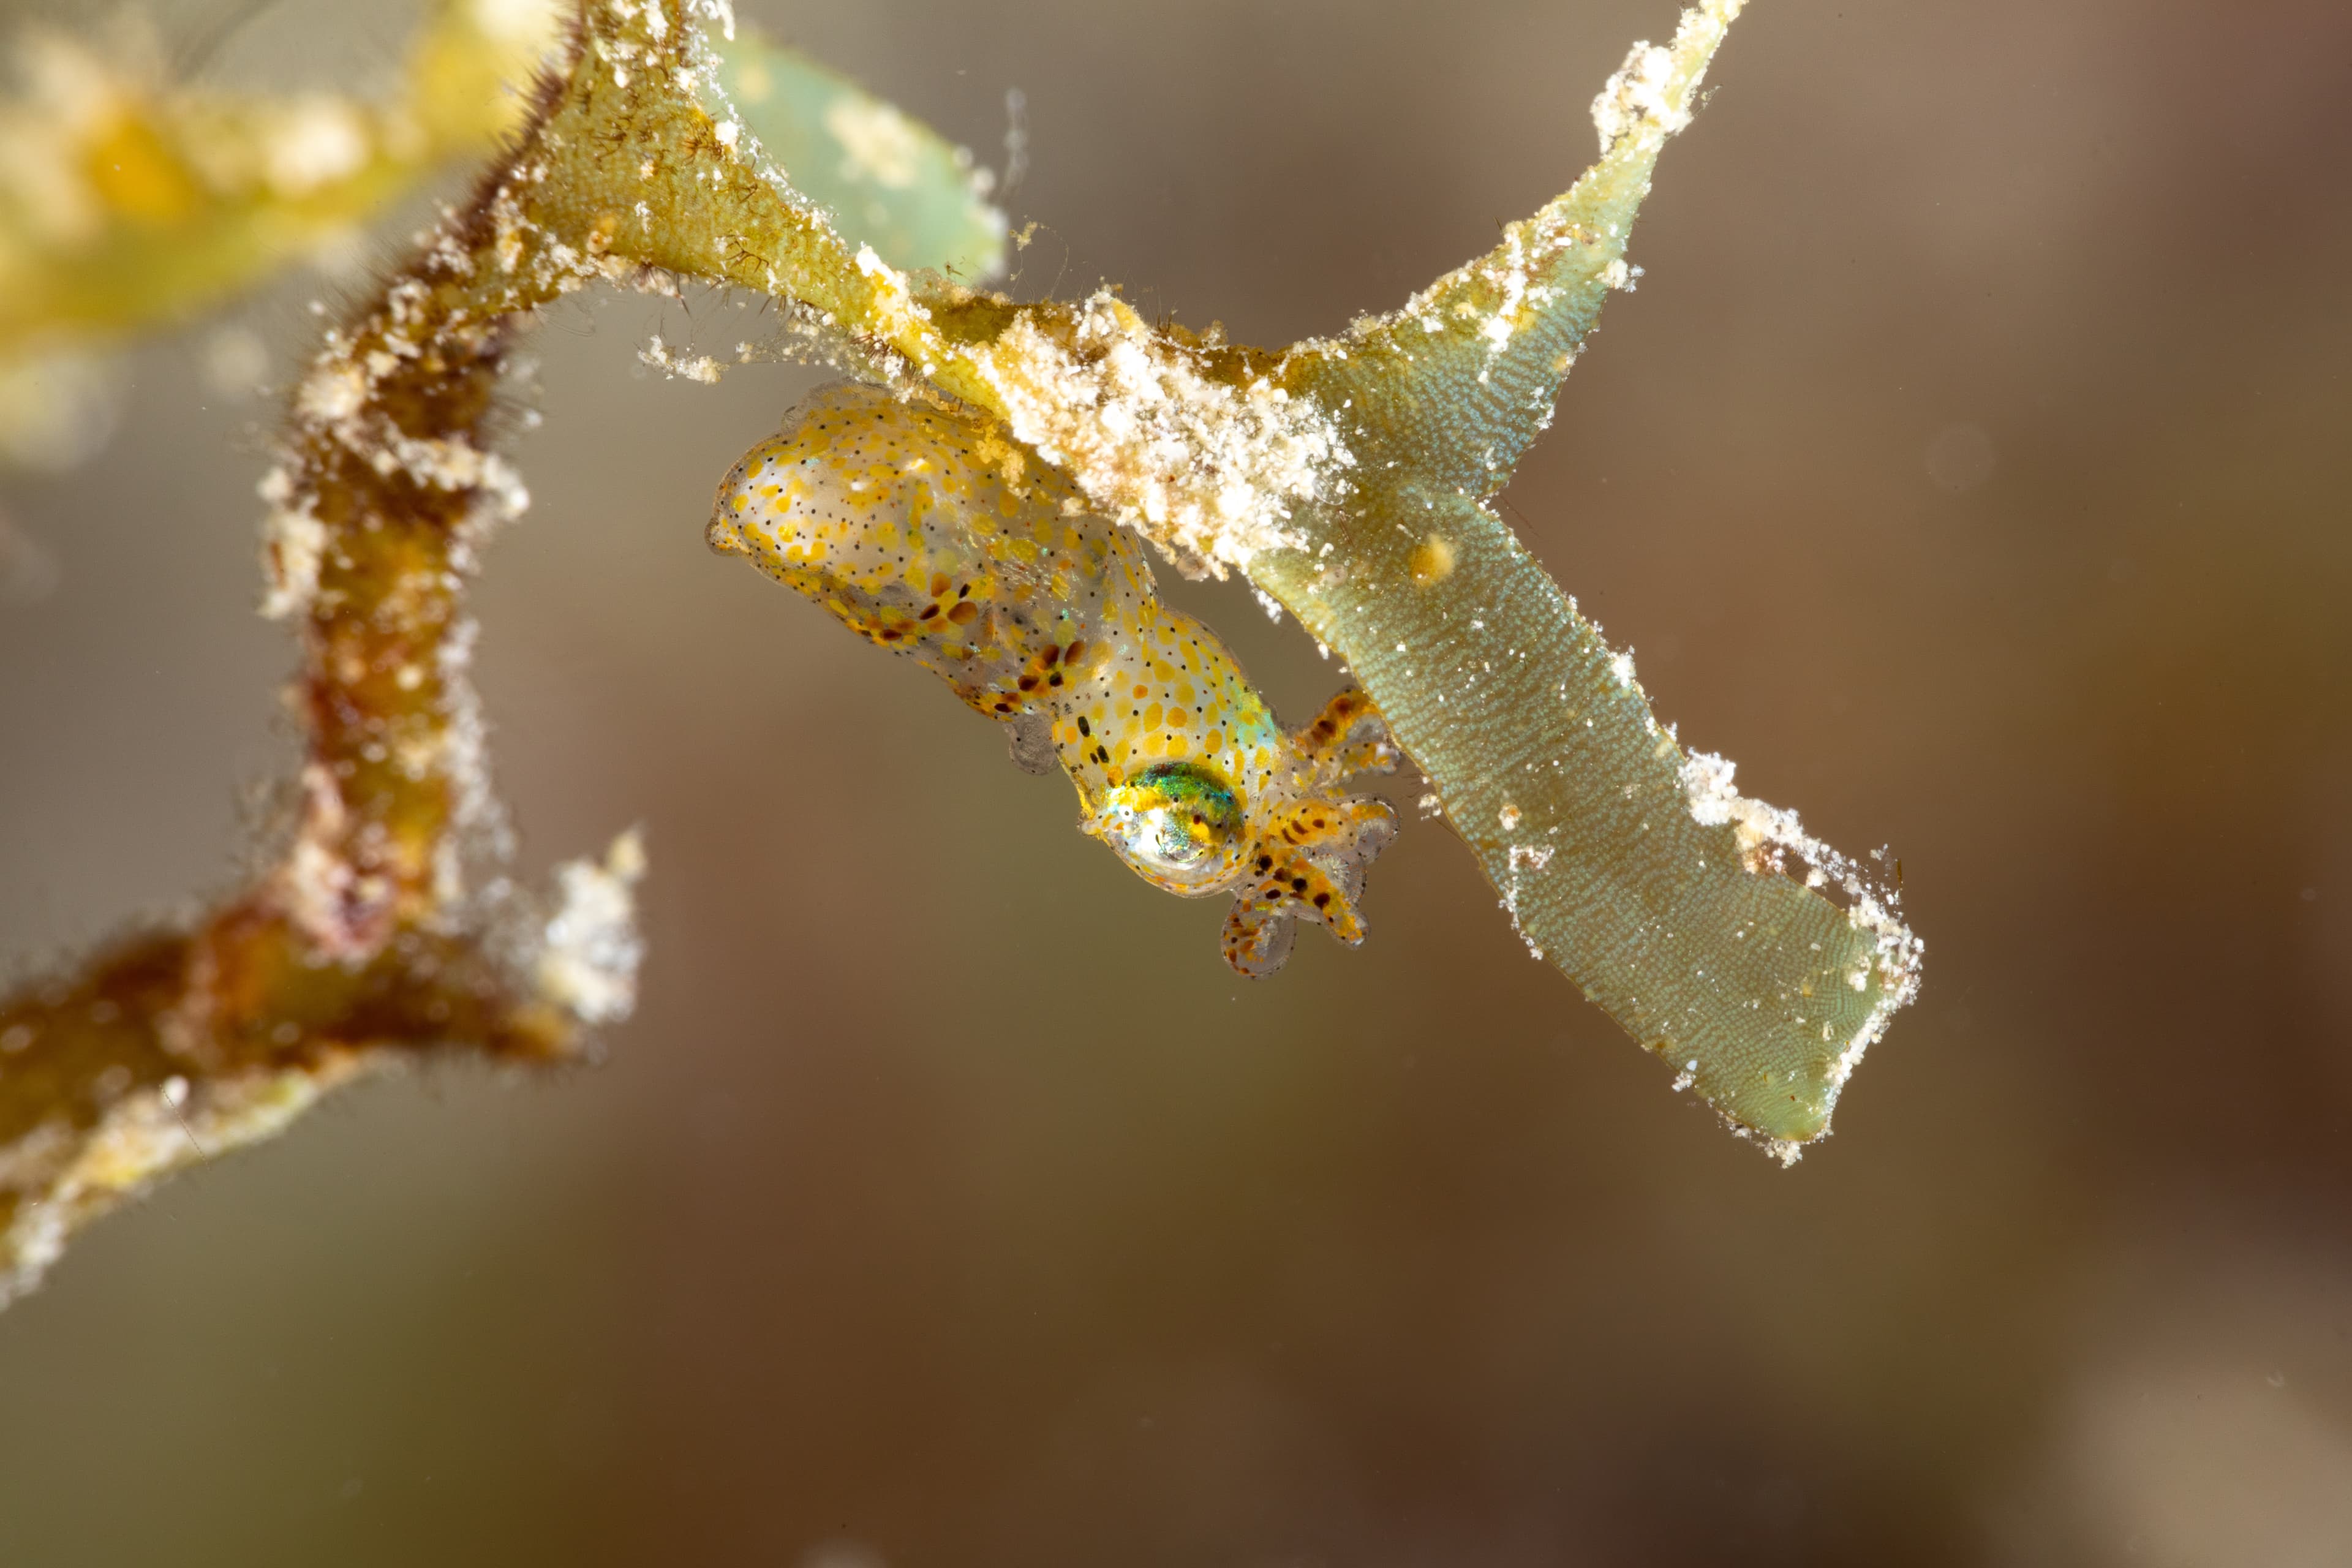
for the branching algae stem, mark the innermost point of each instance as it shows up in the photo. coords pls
(1349, 477)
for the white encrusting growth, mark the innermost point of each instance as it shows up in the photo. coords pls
(689, 367)
(1649, 99)
(293, 538)
(335, 391)
(1209, 472)
(591, 949)
(1639, 99)
(719, 11)
(462, 755)
(1769, 837)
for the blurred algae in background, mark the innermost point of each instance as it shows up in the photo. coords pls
(132, 201)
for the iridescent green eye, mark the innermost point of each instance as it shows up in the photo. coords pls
(1176, 822)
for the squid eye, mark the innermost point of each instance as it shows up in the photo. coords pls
(1176, 823)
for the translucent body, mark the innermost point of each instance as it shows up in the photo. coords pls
(928, 532)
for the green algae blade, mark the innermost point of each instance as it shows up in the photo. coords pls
(1683, 910)
(1755, 961)
(889, 180)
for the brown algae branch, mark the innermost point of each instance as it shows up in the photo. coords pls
(172, 1048)
(367, 942)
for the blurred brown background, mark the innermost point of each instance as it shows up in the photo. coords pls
(1971, 467)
